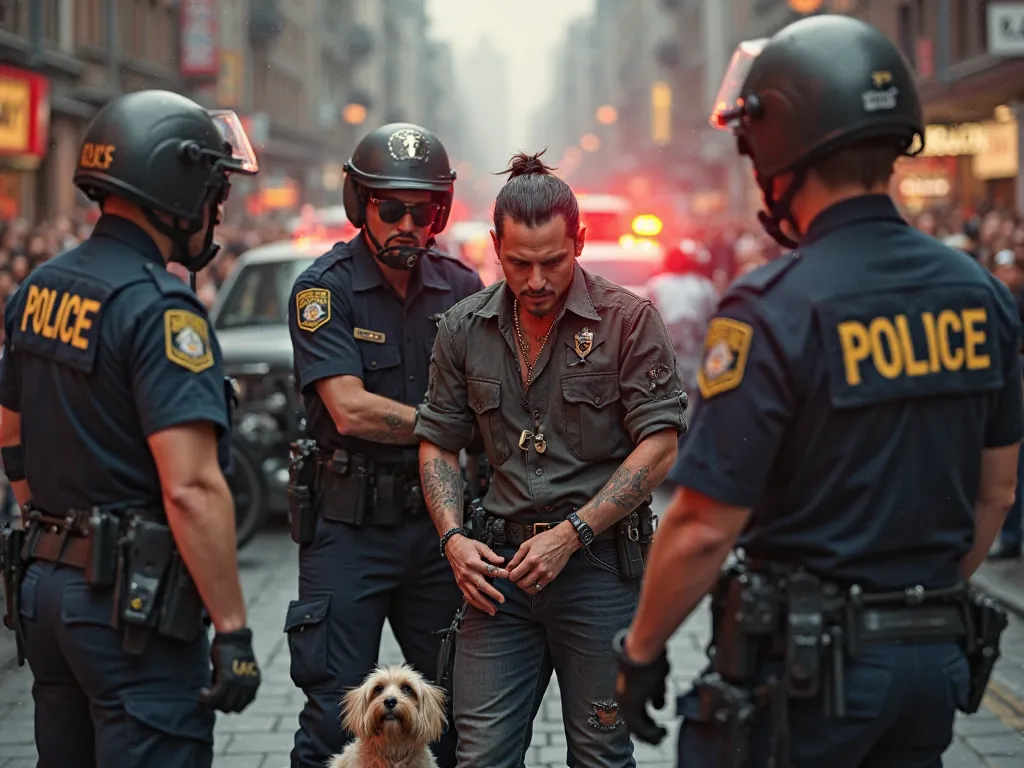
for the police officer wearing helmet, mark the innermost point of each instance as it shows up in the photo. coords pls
(857, 435)
(113, 399)
(363, 320)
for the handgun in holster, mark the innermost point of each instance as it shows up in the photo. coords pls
(732, 708)
(346, 485)
(633, 538)
(985, 625)
(810, 639)
(302, 469)
(146, 556)
(747, 616)
(12, 540)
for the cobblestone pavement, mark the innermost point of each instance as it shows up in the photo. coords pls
(262, 736)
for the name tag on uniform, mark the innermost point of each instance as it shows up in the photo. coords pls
(897, 346)
(364, 335)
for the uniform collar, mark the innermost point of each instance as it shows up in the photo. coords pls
(367, 275)
(577, 301)
(855, 210)
(129, 233)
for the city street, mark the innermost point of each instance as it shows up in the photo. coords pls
(262, 736)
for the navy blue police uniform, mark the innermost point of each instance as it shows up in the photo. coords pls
(346, 320)
(106, 348)
(847, 392)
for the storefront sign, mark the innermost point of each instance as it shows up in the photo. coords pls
(24, 113)
(200, 49)
(1006, 29)
(231, 80)
(924, 182)
(955, 140)
(999, 159)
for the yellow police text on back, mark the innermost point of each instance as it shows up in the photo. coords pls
(62, 315)
(954, 341)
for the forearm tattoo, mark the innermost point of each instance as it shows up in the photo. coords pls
(443, 492)
(398, 430)
(626, 488)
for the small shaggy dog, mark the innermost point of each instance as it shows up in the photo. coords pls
(394, 714)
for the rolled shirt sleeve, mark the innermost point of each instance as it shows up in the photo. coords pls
(445, 418)
(649, 384)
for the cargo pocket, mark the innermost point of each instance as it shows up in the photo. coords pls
(27, 597)
(590, 414)
(485, 400)
(171, 731)
(306, 626)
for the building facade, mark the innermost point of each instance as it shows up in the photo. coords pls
(308, 78)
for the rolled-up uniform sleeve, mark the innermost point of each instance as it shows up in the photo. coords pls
(649, 384)
(445, 418)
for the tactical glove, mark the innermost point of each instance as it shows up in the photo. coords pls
(635, 685)
(236, 675)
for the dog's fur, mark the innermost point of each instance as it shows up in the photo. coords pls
(395, 737)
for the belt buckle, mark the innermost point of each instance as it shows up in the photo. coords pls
(536, 528)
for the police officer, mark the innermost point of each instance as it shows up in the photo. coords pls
(363, 322)
(113, 398)
(859, 425)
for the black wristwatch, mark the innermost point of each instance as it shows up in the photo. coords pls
(584, 531)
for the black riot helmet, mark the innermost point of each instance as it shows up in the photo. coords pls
(168, 155)
(398, 156)
(820, 84)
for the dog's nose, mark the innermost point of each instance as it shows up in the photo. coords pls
(391, 703)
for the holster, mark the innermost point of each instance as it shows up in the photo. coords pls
(12, 540)
(732, 709)
(634, 535)
(446, 654)
(986, 622)
(145, 558)
(181, 607)
(345, 487)
(302, 480)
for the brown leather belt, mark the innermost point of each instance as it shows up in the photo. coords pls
(55, 547)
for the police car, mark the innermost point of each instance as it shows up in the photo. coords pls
(251, 322)
(618, 248)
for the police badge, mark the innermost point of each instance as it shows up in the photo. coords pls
(583, 344)
(409, 144)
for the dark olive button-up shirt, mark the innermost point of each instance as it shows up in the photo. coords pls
(605, 380)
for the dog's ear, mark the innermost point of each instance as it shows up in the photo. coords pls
(353, 706)
(433, 718)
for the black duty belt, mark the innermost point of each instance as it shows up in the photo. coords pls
(507, 533)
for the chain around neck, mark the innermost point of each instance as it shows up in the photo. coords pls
(524, 346)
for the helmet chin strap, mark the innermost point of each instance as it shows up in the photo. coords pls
(180, 240)
(780, 211)
(395, 256)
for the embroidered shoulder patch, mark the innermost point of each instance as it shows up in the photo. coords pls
(726, 347)
(187, 340)
(312, 308)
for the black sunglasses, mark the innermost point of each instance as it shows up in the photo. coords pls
(393, 211)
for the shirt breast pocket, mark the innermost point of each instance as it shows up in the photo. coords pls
(382, 369)
(485, 400)
(590, 411)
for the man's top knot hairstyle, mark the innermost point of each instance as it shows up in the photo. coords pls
(532, 196)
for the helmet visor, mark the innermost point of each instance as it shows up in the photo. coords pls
(728, 104)
(243, 159)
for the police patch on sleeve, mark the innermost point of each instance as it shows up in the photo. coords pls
(726, 347)
(312, 308)
(187, 340)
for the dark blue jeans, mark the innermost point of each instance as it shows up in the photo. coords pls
(352, 578)
(95, 706)
(1012, 534)
(900, 704)
(503, 665)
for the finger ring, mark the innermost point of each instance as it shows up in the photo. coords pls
(490, 569)
(537, 586)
